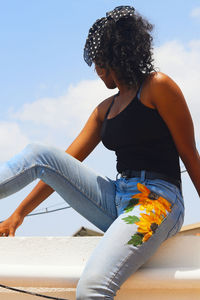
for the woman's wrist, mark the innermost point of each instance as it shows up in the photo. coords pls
(18, 215)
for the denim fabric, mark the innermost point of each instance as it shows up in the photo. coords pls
(102, 201)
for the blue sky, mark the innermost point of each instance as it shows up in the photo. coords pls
(44, 84)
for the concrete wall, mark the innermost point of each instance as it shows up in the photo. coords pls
(53, 266)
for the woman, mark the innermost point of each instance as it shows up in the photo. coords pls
(148, 125)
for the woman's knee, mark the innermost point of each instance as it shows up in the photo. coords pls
(36, 153)
(35, 149)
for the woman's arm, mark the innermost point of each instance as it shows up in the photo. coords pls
(81, 147)
(168, 99)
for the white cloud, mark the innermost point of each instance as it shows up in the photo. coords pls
(67, 113)
(195, 13)
(182, 63)
(12, 140)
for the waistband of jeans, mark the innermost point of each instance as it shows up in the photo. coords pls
(150, 175)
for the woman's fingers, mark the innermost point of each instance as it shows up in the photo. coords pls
(7, 232)
(4, 233)
(10, 225)
(11, 233)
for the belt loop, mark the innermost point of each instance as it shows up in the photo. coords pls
(117, 176)
(181, 189)
(143, 175)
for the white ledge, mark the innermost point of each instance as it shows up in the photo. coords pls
(57, 262)
(67, 277)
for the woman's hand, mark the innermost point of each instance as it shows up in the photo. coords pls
(9, 226)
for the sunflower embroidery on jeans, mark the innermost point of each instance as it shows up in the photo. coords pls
(156, 208)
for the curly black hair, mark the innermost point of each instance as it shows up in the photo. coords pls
(126, 48)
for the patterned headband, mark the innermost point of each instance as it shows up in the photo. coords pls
(96, 31)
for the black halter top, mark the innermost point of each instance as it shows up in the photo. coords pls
(141, 140)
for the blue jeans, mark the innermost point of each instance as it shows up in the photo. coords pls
(102, 201)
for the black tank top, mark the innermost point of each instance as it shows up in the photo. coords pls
(141, 140)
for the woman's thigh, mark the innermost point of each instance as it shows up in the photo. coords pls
(131, 239)
(89, 193)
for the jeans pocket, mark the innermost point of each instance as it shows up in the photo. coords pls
(163, 189)
(177, 226)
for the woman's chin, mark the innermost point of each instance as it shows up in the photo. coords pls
(110, 86)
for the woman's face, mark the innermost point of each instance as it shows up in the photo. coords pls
(106, 76)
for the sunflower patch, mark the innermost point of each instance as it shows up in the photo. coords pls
(155, 210)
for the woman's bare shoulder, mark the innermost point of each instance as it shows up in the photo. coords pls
(161, 80)
(103, 107)
(159, 87)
